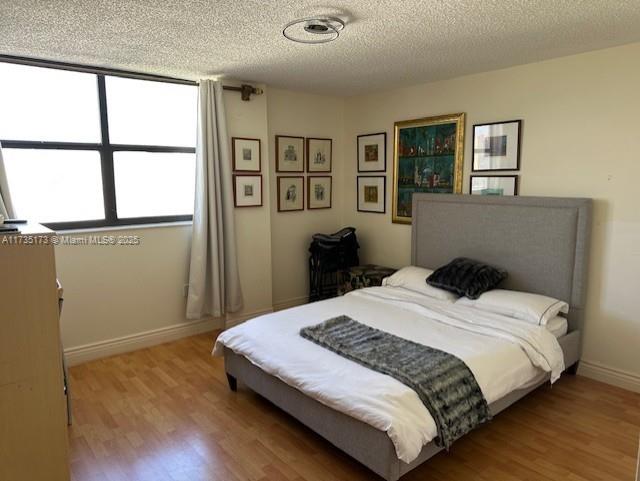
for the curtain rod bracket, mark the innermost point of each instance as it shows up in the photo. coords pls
(245, 90)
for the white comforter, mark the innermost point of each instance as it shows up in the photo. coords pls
(503, 354)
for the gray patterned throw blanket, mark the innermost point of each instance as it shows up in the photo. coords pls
(443, 382)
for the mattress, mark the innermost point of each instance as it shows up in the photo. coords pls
(503, 354)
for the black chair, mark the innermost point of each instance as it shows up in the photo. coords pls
(330, 253)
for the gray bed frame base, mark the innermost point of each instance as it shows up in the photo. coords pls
(361, 441)
(541, 241)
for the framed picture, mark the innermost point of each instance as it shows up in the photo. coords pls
(372, 194)
(318, 155)
(428, 157)
(290, 193)
(496, 146)
(493, 185)
(246, 154)
(247, 190)
(319, 192)
(372, 152)
(289, 154)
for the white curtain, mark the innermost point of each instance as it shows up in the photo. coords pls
(6, 207)
(214, 282)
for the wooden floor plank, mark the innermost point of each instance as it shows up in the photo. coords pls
(166, 414)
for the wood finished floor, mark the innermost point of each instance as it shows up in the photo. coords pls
(166, 414)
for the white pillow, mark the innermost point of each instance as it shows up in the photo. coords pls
(532, 308)
(415, 279)
(558, 326)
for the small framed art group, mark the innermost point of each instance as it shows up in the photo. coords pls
(247, 172)
(300, 155)
(372, 158)
(428, 156)
(496, 148)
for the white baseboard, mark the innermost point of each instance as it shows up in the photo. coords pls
(140, 340)
(616, 377)
(97, 350)
(235, 320)
(296, 301)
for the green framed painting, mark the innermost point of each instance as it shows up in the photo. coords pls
(428, 156)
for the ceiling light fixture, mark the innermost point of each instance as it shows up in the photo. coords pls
(313, 30)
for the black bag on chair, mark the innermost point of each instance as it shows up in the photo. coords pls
(329, 255)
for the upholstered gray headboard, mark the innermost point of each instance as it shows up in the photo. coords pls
(543, 242)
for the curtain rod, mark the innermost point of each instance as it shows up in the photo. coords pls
(92, 69)
(245, 90)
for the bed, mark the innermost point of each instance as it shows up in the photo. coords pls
(541, 242)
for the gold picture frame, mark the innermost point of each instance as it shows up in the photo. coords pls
(428, 156)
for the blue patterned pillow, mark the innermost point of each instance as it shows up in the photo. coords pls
(466, 277)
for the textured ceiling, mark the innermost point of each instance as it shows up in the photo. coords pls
(386, 43)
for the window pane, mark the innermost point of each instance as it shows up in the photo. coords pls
(55, 185)
(48, 104)
(154, 184)
(143, 112)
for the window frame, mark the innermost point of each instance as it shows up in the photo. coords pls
(105, 148)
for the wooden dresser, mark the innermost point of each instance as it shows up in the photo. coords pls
(33, 422)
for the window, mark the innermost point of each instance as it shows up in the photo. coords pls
(85, 148)
(160, 173)
(55, 185)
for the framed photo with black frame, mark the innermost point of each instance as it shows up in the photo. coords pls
(493, 185)
(246, 154)
(289, 154)
(372, 193)
(247, 190)
(496, 146)
(290, 193)
(372, 152)
(319, 192)
(319, 155)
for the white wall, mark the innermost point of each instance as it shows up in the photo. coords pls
(115, 291)
(305, 115)
(253, 224)
(580, 138)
